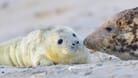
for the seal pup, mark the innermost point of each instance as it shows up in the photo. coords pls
(53, 45)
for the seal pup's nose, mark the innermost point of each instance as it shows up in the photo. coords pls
(75, 43)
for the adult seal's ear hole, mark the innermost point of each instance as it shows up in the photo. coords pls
(60, 41)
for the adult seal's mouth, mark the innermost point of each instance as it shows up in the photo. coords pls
(95, 44)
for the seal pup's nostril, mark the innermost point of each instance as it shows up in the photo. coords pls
(73, 44)
(77, 42)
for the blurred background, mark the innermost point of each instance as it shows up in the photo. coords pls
(19, 17)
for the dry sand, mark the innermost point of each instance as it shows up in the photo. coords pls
(18, 17)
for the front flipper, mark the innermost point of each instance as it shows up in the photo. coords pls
(44, 61)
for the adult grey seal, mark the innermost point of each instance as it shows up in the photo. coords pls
(117, 36)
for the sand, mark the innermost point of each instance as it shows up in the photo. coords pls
(18, 17)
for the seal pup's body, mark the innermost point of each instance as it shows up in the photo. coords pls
(48, 46)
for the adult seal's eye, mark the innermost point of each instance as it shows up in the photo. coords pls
(60, 41)
(109, 29)
(74, 35)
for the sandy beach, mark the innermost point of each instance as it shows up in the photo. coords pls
(19, 17)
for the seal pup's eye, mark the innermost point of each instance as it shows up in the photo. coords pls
(109, 29)
(60, 41)
(74, 35)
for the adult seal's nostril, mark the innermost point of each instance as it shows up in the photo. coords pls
(85, 42)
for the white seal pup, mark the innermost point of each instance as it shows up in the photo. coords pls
(53, 45)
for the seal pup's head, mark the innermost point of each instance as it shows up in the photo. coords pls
(63, 46)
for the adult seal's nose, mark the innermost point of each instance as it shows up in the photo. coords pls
(85, 42)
